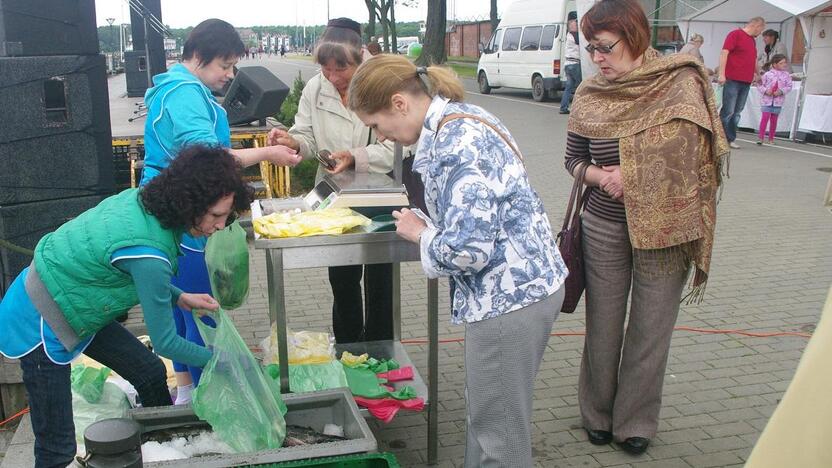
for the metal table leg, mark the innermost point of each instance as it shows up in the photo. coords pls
(397, 302)
(277, 311)
(433, 370)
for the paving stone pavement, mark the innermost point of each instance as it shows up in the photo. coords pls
(772, 268)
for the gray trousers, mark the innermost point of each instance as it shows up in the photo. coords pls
(620, 385)
(502, 356)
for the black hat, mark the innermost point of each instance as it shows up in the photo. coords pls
(573, 15)
(345, 23)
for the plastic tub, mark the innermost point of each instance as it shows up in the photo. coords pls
(313, 410)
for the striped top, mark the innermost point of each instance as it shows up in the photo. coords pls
(601, 153)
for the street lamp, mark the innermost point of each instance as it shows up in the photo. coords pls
(110, 21)
(112, 62)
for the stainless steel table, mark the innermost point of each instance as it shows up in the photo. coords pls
(355, 249)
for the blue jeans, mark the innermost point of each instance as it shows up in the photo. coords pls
(50, 395)
(734, 95)
(573, 79)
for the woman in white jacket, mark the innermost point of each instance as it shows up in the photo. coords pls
(323, 122)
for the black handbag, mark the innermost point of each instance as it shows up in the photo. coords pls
(569, 243)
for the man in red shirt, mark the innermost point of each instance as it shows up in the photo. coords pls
(737, 66)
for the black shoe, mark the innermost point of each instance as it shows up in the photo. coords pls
(635, 445)
(599, 437)
(564, 112)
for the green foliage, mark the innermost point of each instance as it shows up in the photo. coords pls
(303, 175)
(286, 116)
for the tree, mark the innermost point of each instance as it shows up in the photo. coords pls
(380, 9)
(371, 23)
(385, 12)
(394, 42)
(494, 20)
(433, 51)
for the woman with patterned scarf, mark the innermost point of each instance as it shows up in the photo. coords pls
(649, 130)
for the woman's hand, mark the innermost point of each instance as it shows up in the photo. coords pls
(611, 182)
(343, 161)
(197, 303)
(281, 155)
(278, 136)
(408, 225)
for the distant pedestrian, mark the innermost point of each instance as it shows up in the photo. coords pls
(282, 51)
(773, 86)
(737, 67)
(692, 48)
(773, 46)
(572, 70)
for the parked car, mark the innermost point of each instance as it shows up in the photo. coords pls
(526, 48)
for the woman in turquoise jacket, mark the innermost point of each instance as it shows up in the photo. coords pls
(182, 111)
(66, 302)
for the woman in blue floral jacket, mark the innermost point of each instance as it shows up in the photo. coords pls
(485, 229)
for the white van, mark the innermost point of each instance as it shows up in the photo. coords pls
(526, 48)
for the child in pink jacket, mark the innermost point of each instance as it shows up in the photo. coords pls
(774, 85)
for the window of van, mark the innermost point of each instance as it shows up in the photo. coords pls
(531, 38)
(547, 39)
(511, 39)
(494, 45)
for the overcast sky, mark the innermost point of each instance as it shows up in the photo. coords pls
(183, 13)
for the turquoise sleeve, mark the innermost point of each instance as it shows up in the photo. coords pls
(191, 117)
(175, 293)
(152, 279)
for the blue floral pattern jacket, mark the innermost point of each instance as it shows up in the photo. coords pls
(487, 228)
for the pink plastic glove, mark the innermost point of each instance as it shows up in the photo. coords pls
(397, 375)
(386, 408)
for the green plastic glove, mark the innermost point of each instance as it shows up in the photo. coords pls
(364, 382)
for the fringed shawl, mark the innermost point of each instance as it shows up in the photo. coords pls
(672, 149)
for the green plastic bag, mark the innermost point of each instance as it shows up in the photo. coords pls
(112, 403)
(226, 255)
(88, 381)
(234, 395)
(311, 377)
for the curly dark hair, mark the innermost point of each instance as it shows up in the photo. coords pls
(198, 178)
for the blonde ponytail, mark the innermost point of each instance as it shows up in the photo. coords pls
(445, 82)
(379, 78)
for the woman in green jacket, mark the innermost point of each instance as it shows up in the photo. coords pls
(95, 267)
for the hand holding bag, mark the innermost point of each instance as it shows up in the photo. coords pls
(569, 243)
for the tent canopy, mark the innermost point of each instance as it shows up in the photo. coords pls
(740, 11)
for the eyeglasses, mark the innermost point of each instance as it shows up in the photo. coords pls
(604, 49)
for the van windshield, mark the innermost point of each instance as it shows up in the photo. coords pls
(494, 46)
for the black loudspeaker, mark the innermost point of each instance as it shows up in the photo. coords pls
(47, 27)
(155, 41)
(23, 225)
(135, 69)
(55, 139)
(254, 94)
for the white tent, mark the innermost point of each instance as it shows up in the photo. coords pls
(717, 19)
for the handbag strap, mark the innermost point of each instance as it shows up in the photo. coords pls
(460, 115)
(576, 203)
